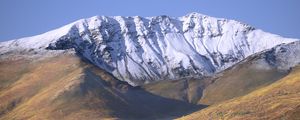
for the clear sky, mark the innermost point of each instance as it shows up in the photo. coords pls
(22, 18)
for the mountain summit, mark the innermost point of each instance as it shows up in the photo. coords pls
(140, 50)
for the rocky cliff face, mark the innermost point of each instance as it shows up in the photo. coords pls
(140, 50)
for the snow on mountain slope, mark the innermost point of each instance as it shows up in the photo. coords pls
(284, 56)
(140, 50)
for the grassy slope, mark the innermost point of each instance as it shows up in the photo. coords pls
(10, 73)
(239, 80)
(65, 87)
(280, 100)
(33, 94)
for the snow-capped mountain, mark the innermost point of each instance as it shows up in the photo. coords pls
(139, 50)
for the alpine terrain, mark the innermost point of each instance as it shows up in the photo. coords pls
(115, 67)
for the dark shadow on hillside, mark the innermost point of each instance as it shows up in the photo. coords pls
(129, 102)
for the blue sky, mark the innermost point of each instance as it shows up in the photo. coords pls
(22, 18)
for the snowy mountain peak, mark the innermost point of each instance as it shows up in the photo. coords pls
(144, 49)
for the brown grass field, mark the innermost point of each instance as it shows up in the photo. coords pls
(66, 87)
(278, 101)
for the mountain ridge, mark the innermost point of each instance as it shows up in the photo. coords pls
(141, 50)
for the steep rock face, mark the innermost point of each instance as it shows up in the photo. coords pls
(139, 50)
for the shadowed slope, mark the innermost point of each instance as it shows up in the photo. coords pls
(280, 100)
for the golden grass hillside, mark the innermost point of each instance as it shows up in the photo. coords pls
(67, 87)
(33, 93)
(243, 78)
(278, 101)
